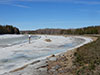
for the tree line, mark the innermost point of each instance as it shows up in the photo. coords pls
(8, 29)
(78, 31)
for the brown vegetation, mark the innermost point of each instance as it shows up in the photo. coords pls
(47, 40)
(87, 59)
(78, 31)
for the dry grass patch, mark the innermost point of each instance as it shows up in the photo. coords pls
(48, 40)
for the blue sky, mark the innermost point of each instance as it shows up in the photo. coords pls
(37, 14)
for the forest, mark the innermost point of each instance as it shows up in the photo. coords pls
(9, 29)
(78, 31)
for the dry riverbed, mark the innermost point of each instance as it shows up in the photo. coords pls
(60, 64)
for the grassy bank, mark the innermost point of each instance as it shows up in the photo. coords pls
(87, 59)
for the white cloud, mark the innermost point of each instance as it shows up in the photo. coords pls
(22, 6)
(13, 2)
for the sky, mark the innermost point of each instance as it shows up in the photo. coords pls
(39, 14)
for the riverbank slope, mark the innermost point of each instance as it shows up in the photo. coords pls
(84, 60)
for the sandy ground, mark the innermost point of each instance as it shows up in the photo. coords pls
(44, 66)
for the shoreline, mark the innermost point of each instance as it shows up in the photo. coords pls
(64, 62)
(87, 40)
